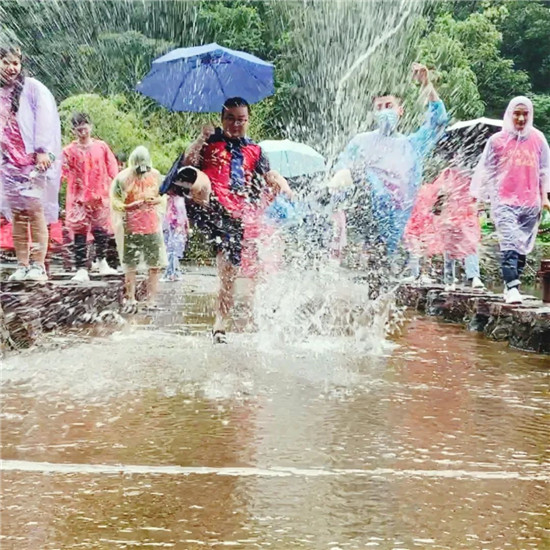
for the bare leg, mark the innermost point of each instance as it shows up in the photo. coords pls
(152, 284)
(130, 280)
(39, 236)
(21, 237)
(250, 297)
(227, 273)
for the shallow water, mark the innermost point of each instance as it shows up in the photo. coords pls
(155, 438)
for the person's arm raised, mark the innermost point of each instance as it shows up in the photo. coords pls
(421, 74)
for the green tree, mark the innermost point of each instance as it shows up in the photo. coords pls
(541, 104)
(233, 25)
(443, 50)
(467, 56)
(498, 80)
(526, 39)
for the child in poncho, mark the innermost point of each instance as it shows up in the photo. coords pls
(176, 230)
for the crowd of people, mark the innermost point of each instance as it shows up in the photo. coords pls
(223, 186)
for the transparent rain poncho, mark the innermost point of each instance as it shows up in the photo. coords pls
(513, 174)
(139, 223)
(389, 168)
(22, 186)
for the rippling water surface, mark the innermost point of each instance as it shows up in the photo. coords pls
(154, 438)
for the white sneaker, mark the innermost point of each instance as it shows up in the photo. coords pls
(37, 272)
(513, 296)
(19, 274)
(450, 288)
(105, 268)
(477, 283)
(425, 280)
(95, 266)
(81, 276)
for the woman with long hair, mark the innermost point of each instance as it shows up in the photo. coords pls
(30, 168)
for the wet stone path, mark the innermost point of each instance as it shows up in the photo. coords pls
(151, 437)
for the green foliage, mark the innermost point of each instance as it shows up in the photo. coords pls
(112, 65)
(122, 129)
(526, 39)
(466, 53)
(483, 52)
(497, 79)
(541, 104)
(456, 80)
(236, 25)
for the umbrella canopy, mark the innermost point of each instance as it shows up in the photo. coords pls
(476, 124)
(292, 159)
(469, 136)
(201, 78)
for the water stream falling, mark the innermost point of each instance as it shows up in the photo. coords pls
(332, 420)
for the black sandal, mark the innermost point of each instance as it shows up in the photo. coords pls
(219, 337)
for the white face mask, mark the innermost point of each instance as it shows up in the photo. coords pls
(387, 120)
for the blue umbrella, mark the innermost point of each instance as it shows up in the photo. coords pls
(201, 78)
(292, 159)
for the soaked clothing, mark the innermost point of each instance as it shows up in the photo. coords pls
(136, 244)
(13, 146)
(34, 129)
(513, 174)
(239, 196)
(89, 172)
(512, 265)
(222, 230)
(387, 170)
(138, 230)
(235, 167)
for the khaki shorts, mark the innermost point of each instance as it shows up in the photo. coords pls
(136, 244)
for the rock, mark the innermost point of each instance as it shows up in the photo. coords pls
(526, 326)
(415, 296)
(30, 308)
(21, 319)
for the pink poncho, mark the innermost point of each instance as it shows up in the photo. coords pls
(421, 233)
(458, 222)
(89, 173)
(513, 174)
(36, 129)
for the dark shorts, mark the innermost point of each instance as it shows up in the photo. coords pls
(136, 244)
(220, 228)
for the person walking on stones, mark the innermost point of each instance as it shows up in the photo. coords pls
(386, 166)
(513, 175)
(30, 169)
(89, 167)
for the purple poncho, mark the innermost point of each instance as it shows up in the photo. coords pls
(40, 129)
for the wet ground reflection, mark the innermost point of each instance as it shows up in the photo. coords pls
(153, 438)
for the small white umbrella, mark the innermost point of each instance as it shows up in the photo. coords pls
(292, 159)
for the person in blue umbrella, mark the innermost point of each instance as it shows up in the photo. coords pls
(386, 166)
(227, 199)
